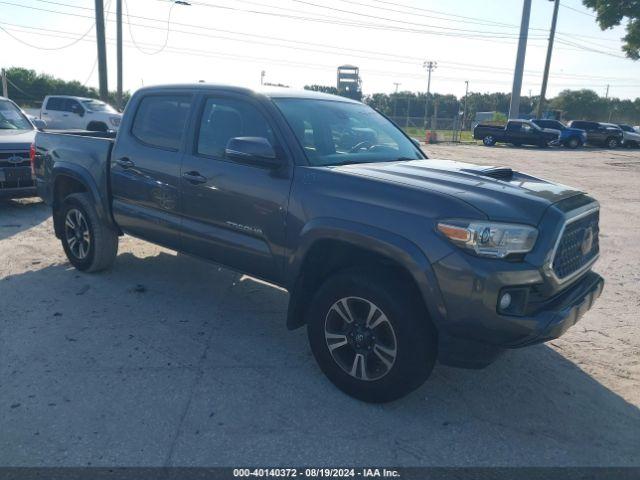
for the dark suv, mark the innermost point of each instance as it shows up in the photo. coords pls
(602, 134)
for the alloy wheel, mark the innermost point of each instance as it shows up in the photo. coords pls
(77, 233)
(360, 338)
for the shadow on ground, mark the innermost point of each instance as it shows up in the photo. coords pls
(19, 215)
(166, 360)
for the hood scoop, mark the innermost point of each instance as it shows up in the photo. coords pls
(498, 173)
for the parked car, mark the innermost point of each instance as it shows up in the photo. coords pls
(631, 137)
(16, 136)
(569, 137)
(601, 134)
(392, 260)
(516, 132)
(63, 112)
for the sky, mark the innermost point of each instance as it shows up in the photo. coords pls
(300, 42)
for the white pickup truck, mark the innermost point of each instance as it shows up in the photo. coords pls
(62, 112)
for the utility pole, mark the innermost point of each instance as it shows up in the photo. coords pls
(547, 63)
(606, 95)
(395, 99)
(5, 87)
(464, 109)
(514, 108)
(119, 53)
(430, 66)
(102, 51)
(262, 75)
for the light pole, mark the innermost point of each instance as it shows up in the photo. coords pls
(430, 66)
(514, 108)
(395, 99)
(464, 109)
(547, 64)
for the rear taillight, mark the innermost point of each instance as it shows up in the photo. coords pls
(32, 158)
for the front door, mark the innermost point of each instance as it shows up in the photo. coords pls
(234, 213)
(145, 169)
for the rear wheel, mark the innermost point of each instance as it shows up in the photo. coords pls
(97, 127)
(89, 244)
(612, 142)
(371, 336)
(572, 143)
(489, 140)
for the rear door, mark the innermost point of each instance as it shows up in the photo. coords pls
(234, 213)
(53, 111)
(145, 168)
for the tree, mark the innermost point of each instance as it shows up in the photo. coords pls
(610, 13)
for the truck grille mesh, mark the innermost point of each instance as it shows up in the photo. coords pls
(578, 246)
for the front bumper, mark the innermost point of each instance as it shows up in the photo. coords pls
(22, 192)
(471, 287)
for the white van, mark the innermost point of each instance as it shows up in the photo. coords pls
(62, 112)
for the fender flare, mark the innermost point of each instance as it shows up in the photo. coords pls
(382, 242)
(83, 176)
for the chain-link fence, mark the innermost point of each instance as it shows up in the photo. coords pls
(435, 130)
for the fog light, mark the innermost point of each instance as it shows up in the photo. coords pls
(505, 301)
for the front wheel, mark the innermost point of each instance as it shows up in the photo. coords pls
(572, 143)
(371, 335)
(89, 244)
(489, 141)
(612, 142)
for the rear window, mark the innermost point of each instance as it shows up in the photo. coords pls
(161, 119)
(55, 103)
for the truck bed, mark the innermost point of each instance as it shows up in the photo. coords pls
(78, 154)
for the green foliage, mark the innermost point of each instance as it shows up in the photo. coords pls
(499, 117)
(28, 88)
(610, 13)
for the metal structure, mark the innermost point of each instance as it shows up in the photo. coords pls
(514, 108)
(430, 66)
(349, 83)
(547, 64)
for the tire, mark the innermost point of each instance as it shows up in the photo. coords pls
(489, 141)
(97, 127)
(543, 144)
(612, 142)
(572, 143)
(378, 364)
(89, 244)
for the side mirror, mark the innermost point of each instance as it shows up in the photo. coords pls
(39, 124)
(252, 150)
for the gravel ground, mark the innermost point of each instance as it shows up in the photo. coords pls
(165, 360)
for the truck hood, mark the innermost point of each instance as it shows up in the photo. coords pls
(16, 139)
(500, 193)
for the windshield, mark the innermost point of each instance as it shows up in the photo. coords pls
(11, 118)
(627, 128)
(337, 133)
(551, 124)
(98, 106)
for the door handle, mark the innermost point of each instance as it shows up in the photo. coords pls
(45, 113)
(124, 162)
(194, 177)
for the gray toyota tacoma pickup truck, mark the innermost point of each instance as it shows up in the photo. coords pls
(391, 260)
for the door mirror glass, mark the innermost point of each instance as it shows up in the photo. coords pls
(39, 124)
(253, 150)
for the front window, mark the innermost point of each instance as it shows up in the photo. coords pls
(337, 133)
(98, 106)
(11, 118)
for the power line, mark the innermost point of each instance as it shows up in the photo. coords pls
(316, 66)
(166, 37)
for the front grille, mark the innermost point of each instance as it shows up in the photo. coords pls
(578, 245)
(5, 156)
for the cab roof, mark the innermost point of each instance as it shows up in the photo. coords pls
(266, 91)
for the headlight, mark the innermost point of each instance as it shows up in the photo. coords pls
(489, 239)
(115, 121)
